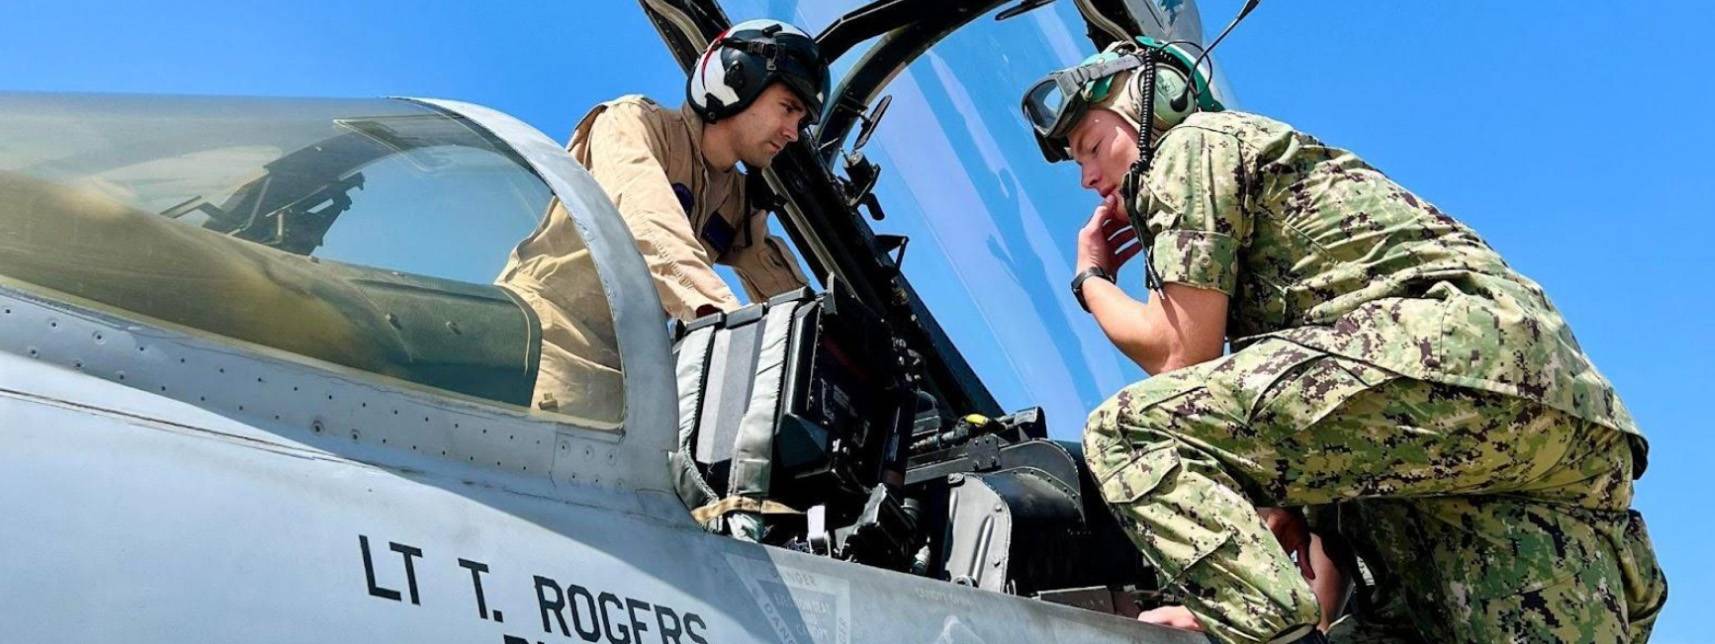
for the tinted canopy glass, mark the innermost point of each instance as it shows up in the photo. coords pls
(365, 233)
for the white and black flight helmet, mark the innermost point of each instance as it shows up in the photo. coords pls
(745, 58)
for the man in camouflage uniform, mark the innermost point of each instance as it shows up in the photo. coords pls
(1387, 367)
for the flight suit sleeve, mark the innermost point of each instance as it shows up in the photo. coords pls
(627, 161)
(1192, 210)
(765, 265)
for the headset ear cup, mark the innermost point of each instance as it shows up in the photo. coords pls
(1173, 98)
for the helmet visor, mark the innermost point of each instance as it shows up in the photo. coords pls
(798, 64)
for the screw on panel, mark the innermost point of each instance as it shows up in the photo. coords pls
(354, 434)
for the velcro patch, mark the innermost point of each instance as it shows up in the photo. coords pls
(718, 233)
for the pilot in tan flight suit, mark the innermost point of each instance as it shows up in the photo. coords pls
(673, 175)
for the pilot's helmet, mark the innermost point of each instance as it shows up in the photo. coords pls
(746, 58)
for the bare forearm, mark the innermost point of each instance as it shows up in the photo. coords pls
(1120, 318)
(1152, 334)
(1330, 584)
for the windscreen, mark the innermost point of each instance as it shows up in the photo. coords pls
(365, 233)
(992, 225)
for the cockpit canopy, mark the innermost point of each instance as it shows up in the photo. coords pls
(363, 233)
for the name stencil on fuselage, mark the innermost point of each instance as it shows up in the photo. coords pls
(566, 611)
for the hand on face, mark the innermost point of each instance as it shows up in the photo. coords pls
(1107, 240)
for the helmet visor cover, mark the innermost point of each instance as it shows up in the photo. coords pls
(745, 59)
(797, 64)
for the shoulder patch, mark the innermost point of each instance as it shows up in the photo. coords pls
(718, 233)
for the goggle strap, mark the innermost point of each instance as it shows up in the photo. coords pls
(1074, 79)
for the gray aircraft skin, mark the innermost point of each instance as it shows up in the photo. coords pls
(174, 476)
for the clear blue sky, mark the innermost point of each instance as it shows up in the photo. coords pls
(1569, 134)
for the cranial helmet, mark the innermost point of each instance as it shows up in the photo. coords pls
(1116, 79)
(746, 58)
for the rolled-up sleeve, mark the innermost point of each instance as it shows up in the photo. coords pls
(1193, 209)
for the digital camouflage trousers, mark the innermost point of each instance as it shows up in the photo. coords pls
(1493, 518)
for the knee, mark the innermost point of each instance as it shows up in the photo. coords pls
(1137, 413)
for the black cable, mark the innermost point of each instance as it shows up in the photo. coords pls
(1134, 178)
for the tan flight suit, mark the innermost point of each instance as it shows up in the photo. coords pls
(684, 216)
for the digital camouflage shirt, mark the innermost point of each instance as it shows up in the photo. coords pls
(1316, 247)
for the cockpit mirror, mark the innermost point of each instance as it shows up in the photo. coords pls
(870, 121)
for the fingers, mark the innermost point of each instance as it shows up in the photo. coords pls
(1172, 617)
(1122, 238)
(1111, 224)
(1125, 254)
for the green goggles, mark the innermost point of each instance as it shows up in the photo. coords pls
(1055, 104)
